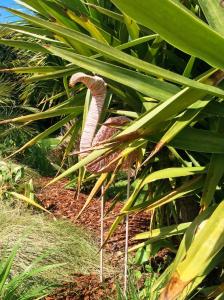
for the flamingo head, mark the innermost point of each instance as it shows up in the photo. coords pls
(95, 83)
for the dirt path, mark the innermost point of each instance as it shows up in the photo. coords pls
(63, 203)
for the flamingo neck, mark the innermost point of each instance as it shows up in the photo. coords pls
(91, 123)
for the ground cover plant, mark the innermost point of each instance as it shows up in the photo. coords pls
(56, 241)
(19, 286)
(162, 62)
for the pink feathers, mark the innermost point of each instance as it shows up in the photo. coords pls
(109, 128)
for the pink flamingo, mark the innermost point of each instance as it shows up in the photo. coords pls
(90, 138)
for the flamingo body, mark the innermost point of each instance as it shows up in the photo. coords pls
(110, 127)
(106, 132)
(91, 138)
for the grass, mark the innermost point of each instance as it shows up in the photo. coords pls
(138, 289)
(57, 240)
(23, 286)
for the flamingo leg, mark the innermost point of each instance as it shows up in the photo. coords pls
(126, 239)
(101, 231)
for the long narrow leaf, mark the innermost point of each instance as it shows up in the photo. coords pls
(28, 201)
(46, 114)
(206, 245)
(168, 17)
(158, 175)
(214, 14)
(145, 84)
(118, 55)
(45, 133)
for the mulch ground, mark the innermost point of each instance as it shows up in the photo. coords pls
(86, 287)
(63, 203)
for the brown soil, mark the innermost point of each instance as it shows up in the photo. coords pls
(86, 287)
(64, 203)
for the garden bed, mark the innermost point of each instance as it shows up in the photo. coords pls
(63, 203)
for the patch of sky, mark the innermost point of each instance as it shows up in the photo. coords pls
(6, 17)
